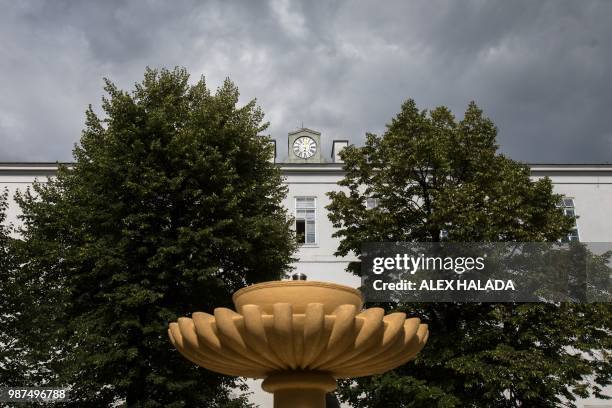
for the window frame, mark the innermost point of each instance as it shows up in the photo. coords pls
(566, 208)
(295, 216)
(373, 200)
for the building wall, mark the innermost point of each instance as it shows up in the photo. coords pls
(591, 188)
(589, 185)
(18, 177)
(318, 261)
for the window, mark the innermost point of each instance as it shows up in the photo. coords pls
(371, 203)
(567, 204)
(443, 235)
(305, 215)
(337, 147)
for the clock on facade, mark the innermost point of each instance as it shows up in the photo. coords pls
(304, 147)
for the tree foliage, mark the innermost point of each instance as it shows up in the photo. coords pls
(170, 206)
(437, 178)
(9, 367)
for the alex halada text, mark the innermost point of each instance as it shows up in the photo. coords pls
(447, 285)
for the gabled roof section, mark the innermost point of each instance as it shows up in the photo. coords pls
(305, 130)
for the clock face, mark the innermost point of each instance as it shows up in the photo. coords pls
(304, 147)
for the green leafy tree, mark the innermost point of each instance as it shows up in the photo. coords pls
(437, 178)
(5, 273)
(11, 364)
(28, 315)
(170, 206)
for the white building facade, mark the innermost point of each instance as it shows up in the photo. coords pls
(586, 188)
(310, 173)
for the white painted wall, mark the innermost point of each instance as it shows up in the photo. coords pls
(589, 185)
(591, 188)
(318, 261)
(20, 176)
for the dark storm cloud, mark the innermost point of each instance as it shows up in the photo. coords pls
(539, 69)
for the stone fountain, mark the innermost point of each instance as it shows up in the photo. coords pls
(300, 337)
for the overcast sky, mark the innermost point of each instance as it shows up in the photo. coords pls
(539, 69)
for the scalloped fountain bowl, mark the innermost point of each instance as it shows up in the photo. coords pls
(299, 294)
(300, 336)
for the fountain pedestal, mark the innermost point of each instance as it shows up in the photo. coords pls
(300, 337)
(299, 389)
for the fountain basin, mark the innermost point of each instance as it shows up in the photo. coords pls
(299, 294)
(300, 337)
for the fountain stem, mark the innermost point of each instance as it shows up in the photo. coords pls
(299, 398)
(299, 389)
